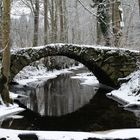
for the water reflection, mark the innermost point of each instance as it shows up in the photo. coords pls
(136, 110)
(100, 113)
(60, 95)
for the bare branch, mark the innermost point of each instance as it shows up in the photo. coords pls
(1, 51)
(87, 9)
(29, 5)
(97, 16)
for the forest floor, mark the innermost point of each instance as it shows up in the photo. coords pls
(128, 94)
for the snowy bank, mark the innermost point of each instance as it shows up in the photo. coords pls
(63, 135)
(12, 109)
(32, 75)
(87, 78)
(129, 92)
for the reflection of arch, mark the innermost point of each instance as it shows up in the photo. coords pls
(107, 64)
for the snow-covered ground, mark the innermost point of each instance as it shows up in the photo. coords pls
(63, 135)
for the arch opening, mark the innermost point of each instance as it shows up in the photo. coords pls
(54, 89)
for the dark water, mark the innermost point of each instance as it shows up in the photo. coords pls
(63, 104)
(59, 96)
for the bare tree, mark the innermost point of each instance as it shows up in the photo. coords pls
(54, 20)
(0, 23)
(103, 20)
(5, 70)
(139, 6)
(76, 31)
(65, 21)
(116, 21)
(46, 23)
(61, 20)
(36, 23)
(34, 6)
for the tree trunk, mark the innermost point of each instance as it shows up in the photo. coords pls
(61, 21)
(99, 34)
(65, 21)
(36, 23)
(6, 52)
(46, 22)
(139, 6)
(78, 33)
(103, 21)
(54, 16)
(55, 20)
(52, 21)
(116, 22)
(1, 24)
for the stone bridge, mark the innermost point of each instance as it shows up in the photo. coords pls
(107, 64)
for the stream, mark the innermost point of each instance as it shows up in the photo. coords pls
(63, 103)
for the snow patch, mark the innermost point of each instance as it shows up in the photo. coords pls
(96, 47)
(10, 110)
(86, 78)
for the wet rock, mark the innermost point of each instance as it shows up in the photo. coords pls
(2, 138)
(28, 137)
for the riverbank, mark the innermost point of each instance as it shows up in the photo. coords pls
(129, 93)
(31, 75)
(12, 109)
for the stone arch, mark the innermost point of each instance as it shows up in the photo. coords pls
(105, 64)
